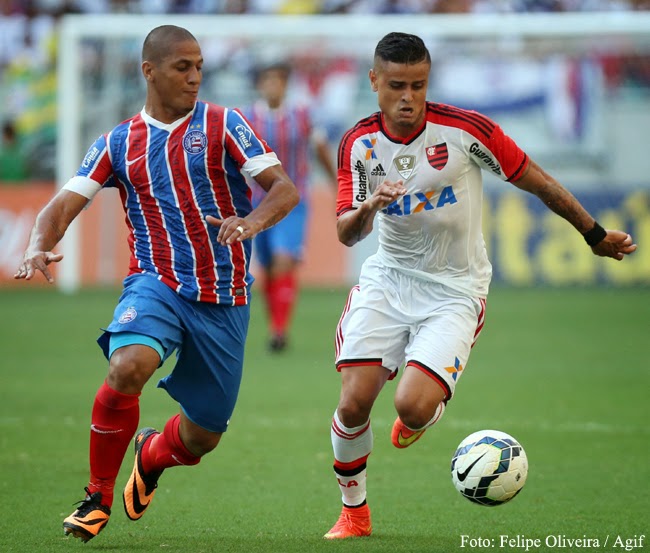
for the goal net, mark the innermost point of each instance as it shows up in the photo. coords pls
(572, 89)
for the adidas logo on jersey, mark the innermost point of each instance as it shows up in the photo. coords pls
(378, 171)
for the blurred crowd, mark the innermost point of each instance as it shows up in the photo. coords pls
(28, 35)
(59, 7)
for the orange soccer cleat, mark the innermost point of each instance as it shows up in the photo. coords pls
(141, 487)
(403, 437)
(89, 519)
(354, 522)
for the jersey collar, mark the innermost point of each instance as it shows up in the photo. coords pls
(169, 127)
(398, 139)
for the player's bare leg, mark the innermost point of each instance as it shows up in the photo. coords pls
(420, 403)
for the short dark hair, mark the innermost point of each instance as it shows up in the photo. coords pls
(402, 48)
(159, 42)
(282, 67)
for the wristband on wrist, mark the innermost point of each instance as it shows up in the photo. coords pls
(595, 235)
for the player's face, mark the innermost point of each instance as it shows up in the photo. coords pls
(272, 86)
(174, 81)
(401, 94)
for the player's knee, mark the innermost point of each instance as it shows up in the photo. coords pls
(415, 414)
(353, 412)
(282, 264)
(413, 420)
(200, 443)
(128, 372)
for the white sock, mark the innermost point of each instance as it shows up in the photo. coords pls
(351, 446)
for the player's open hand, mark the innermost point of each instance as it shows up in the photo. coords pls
(37, 261)
(386, 193)
(232, 229)
(617, 244)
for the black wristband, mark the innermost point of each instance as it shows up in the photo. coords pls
(595, 236)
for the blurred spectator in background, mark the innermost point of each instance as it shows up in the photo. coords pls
(329, 82)
(13, 165)
(288, 129)
(235, 6)
(28, 86)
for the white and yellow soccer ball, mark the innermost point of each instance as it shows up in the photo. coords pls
(489, 467)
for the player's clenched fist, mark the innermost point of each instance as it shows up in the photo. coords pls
(386, 193)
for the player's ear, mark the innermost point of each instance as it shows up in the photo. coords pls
(147, 70)
(373, 80)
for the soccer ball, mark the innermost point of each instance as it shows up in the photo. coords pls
(489, 467)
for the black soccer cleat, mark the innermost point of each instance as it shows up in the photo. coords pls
(278, 343)
(89, 519)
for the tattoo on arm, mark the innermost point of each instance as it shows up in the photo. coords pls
(563, 203)
(557, 198)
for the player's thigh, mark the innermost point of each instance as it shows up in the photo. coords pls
(441, 347)
(417, 393)
(360, 387)
(207, 375)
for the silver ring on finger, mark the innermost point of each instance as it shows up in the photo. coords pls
(240, 229)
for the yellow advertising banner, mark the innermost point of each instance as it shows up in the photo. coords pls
(527, 244)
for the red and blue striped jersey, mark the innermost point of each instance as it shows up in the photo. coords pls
(287, 130)
(170, 177)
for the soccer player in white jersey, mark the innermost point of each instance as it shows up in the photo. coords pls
(415, 167)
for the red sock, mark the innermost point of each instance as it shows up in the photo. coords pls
(114, 421)
(267, 292)
(282, 296)
(166, 449)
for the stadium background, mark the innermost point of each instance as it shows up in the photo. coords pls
(561, 363)
(577, 104)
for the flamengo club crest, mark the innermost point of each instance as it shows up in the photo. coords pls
(437, 155)
(405, 165)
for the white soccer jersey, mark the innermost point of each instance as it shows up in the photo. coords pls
(434, 230)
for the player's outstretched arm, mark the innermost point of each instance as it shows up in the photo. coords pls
(281, 197)
(603, 242)
(50, 226)
(353, 226)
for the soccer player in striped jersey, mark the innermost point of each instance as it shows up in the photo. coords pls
(179, 167)
(415, 167)
(289, 131)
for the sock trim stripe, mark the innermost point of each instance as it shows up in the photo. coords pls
(345, 435)
(349, 472)
(352, 468)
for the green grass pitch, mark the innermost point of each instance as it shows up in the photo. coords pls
(564, 371)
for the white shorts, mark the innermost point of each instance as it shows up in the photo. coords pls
(392, 319)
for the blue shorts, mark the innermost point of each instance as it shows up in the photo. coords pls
(208, 339)
(286, 237)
